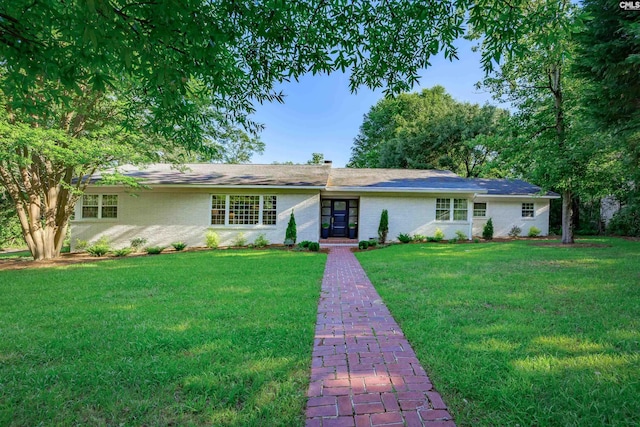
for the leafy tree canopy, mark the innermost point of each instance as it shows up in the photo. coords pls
(608, 58)
(426, 130)
(226, 54)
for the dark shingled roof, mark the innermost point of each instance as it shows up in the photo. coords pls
(390, 179)
(223, 174)
(511, 187)
(324, 177)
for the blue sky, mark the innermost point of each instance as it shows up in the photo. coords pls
(321, 115)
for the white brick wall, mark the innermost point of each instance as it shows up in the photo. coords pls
(164, 216)
(407, 214)
(507, 212)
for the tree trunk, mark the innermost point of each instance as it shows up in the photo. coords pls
(567, 214)
(43, 212)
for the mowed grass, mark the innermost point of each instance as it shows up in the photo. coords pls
(521, 334)
(204, 338)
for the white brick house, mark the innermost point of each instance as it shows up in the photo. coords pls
(182, 204)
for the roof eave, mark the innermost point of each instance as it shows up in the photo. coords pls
(404, 190)
(519, 196)
(223, 186)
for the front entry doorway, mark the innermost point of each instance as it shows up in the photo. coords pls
(341, 217)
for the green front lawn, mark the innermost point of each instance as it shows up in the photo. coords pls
(521, 334)
(203, 338)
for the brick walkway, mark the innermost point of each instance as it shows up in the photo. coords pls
(364, 372)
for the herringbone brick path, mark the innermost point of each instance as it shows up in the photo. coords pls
(364, 372)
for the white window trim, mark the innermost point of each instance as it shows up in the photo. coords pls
(486, 211)
(451, 211)
(99, 217)
(227, 204)
(528, 218)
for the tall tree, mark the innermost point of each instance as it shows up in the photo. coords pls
(45, 160)
(426, 130)
(532, 58)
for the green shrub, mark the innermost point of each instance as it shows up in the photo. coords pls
(438, 235)
(419, 238)
(404, 238)
(383, 228)
(100, 248)
(454, 240)
(304, 244)
(476, 240)
(363, 244)
(178, 246)
(626, 222)
(122, 252)
(154, 250)
(10, 228)
(81, 245)
(212, 240)
(373, 243)
(261, 241)
(314, 246)
(534, 232)
(460, 235)
(515, 231)
(487, 230)
(291, 234)
(239, 240)
(138, 243)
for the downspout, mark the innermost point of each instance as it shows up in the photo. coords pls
(470, 215)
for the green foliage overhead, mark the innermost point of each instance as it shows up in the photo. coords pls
(426, 130)
(608, 57)
(227, 53)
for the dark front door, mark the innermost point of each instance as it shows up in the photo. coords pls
(339, 218)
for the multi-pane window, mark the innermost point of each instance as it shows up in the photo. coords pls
(243, 210)
(269, 210)
(460, 209)
(90, 204)
(527, 210)
(110, 206)
(99, 206)
(218, 209)
(479, 210)
(443, 209)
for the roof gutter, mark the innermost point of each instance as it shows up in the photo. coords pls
(225, 186)
(519, 196)
(403, 190)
